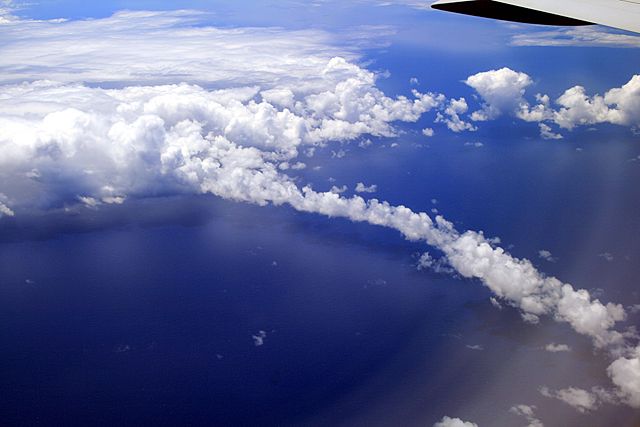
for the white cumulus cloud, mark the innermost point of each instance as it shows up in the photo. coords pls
(502, 91)
(454, 422)
(361, 188)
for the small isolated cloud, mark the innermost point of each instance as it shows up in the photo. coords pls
(451, 116)
(546, 255)
(527, 412)
(361, 188)
(298, 166)
(474, 144)
(607, 256)
(557, 348)
(88, 201)
(440, 265)
(365, 143)
(338, 154)
(547, 133)
(454, 422)
(475, 347)
(428, 132)
(414, 81)
(258, 339)
(5, 210)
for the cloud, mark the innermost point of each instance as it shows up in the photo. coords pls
(361, 188)
(580, 399)
(451, 116)
(625, 374)
(501, 90)
(547, 133)
(66, 141)
(158, 47)
(607, 256)
(579, 36)
(546, 255)
(428, 132)
(415, 4)
(258, 339)
(454, 422)
(474, 144)
(4, 209)
(475, 347)
(527, 412)
(440, 265)
(557, 348)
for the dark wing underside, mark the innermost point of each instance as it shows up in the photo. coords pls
(622, 14)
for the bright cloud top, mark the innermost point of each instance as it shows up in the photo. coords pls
(502, 92)
(454, 422)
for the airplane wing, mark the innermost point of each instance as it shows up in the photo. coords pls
(622, 14)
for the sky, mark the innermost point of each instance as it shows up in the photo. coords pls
(316, 213)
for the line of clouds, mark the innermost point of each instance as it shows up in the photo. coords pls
(503, 92)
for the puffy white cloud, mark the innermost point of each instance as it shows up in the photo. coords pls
(454, 422)
(361, 188)
(625, 374)
(428, 132)
(451, 116)
(579, 109)
(501, 90)
(520, 284)
(4, 210)
(111, 143)
(547, 133)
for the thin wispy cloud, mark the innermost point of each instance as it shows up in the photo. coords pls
(577, 37)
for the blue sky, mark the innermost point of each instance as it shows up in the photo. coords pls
(316, 213)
